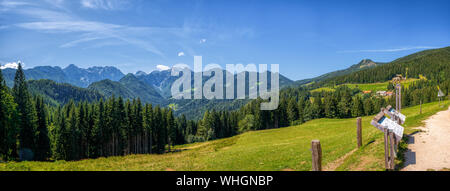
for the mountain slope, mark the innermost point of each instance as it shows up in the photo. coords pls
(141, 89)
(60, 93)
(433, 64)
(128, 87)
(162, 80)
(194, 108)
(109, 88)
(362, 65)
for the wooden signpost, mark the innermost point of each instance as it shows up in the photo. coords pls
(395, 115)
(393, 133)
(440, 95)
(316, 150)
(392, 129)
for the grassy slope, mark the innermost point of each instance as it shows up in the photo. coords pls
(379, 86)
(371, 155)
(275, 149)
(370, 86)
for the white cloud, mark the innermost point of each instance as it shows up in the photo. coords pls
(13, 4)
(7, 5)
(94, 31)
(162, 67)
(388, 50)
(181, 54)
(13, 65)
(103, 4)
(55, 2)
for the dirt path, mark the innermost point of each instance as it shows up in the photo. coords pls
(430, 149)
(332, 166)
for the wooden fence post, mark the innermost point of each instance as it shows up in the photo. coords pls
(420, 106)
(316, 155)
(400, 98)
(392, 147)
(359, 131)
(386, 148)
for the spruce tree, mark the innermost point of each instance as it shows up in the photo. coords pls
(292, 110)
(27, 113)
(330, 107)
(357, 107)
(43, 141)
(171, 128)
(8, 126)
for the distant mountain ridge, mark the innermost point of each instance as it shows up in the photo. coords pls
(71, 74)
(84, 77)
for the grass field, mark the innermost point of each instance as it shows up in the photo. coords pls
(379, 86)
(382, 86)
(267, 150)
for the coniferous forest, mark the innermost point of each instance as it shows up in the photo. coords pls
(32, 129)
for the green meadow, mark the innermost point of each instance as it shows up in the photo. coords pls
(266, 150)
(382, 86)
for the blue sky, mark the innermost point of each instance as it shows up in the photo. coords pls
(306, 38)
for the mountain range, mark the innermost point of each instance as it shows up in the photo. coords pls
(71, 74)
(79, 84)
(94, 83)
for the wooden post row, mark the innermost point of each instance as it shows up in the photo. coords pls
(316, 150)
(359, 131)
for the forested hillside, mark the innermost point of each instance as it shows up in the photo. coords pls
(32, 130)
(129, 87)
(118, 126)
(433, 64)
(362, 65)
(61, 93)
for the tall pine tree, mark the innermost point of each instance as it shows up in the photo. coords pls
(27, 113)
(43, 141)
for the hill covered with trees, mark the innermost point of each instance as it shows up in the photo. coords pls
(118, 126)
(61, 93)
